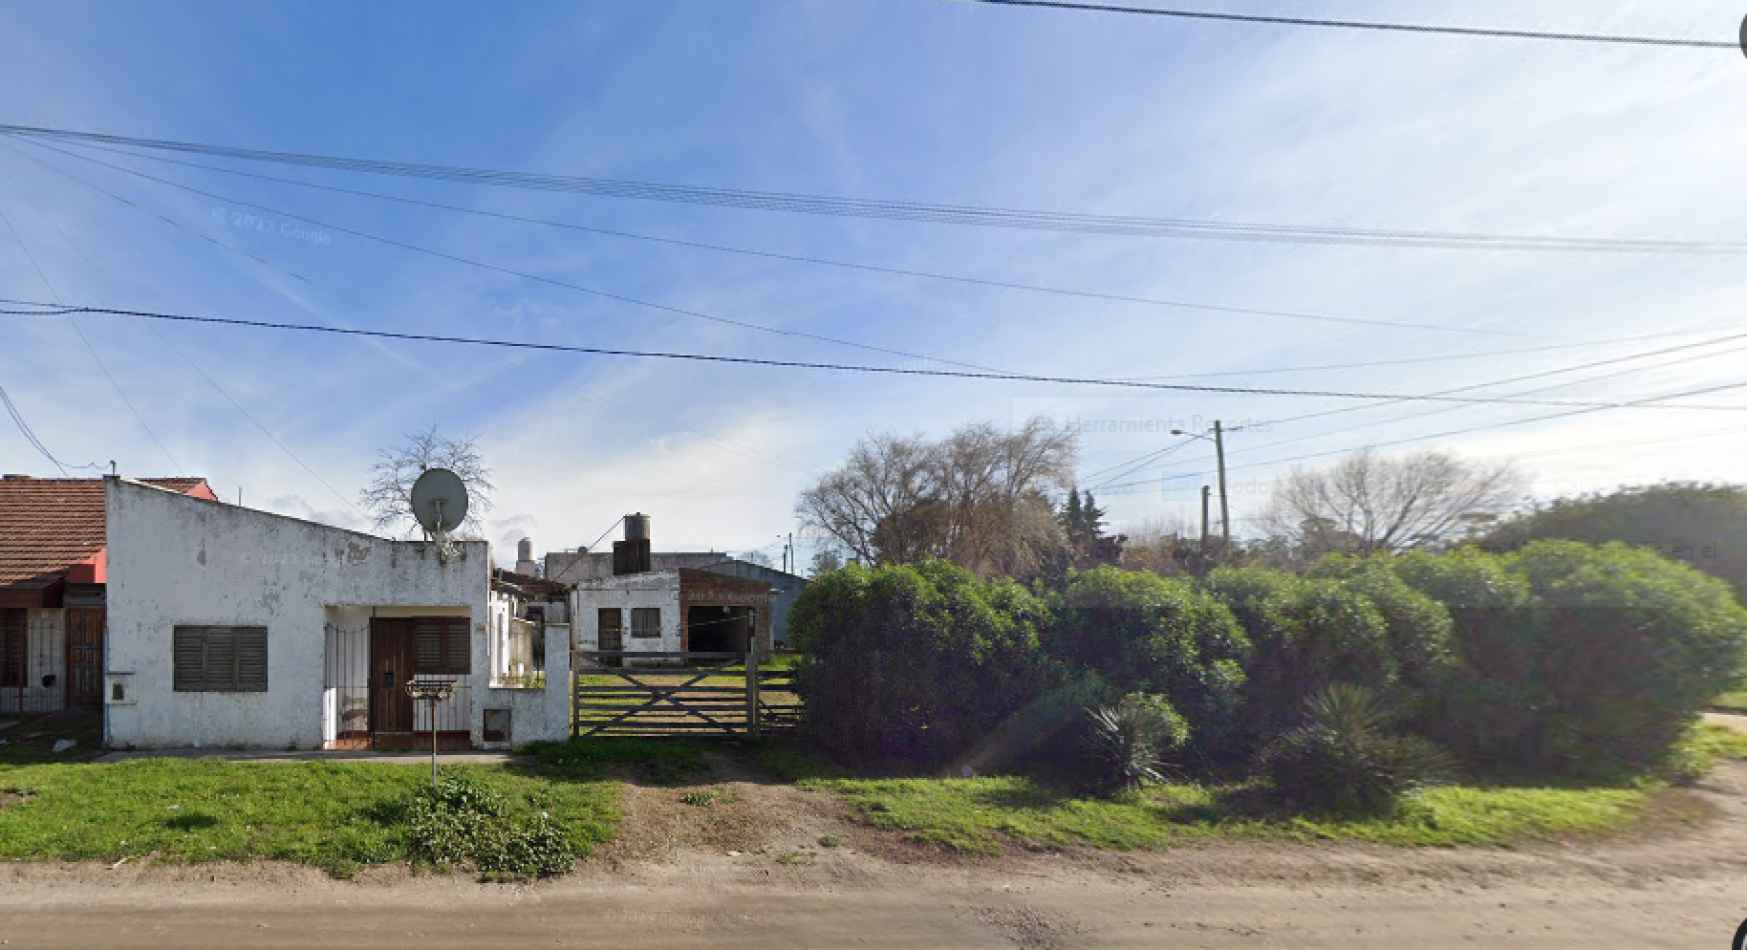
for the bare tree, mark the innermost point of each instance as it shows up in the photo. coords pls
(1368, 503)
(977, 497)
(389, 497)
(825, 560)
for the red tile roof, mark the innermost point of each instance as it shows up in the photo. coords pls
(47, 525)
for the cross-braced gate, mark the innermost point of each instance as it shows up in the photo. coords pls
(659, 693)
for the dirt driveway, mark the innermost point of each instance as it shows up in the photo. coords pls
(750, 870)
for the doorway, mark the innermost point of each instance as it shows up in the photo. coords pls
(85, 656)
(409, 648)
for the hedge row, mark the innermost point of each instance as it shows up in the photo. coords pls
(1559, 657)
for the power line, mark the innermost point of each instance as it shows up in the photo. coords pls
(341, 294)
(191, 365)
(841, 367)
(31, 437)
(454, 258)
(915, 211)
(1134, 465)
(1463, 431)
(1272, 20)
(820, 261)
(1439, 358)
(89, 348)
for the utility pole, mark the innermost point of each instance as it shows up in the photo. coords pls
(1224, 500)
(1206, 494)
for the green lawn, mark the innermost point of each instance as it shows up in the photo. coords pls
(335, 815)
(975, 814)
(978, 815)
(1731, 702)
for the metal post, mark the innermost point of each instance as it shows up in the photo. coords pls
(1224, 501)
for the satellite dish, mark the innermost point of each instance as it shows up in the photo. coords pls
(439, 501)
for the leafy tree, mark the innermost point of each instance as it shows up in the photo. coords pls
(1304, 635)
(913, 664)
(1631, 647)
(1703, 525)
(1421, 630)
(1140, 631)
(389, 497)
(1071, 515)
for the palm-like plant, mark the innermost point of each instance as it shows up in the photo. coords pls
(1130, 740)
(1345, 759)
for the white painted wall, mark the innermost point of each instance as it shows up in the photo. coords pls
(653, 589)
(175, 560)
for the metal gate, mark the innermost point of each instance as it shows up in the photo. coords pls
(658, 693)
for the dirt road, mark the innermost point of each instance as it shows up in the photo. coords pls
(754, 872)
(988, 913)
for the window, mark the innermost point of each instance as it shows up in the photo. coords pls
(645, 621)
(442, 647)
(12, 647)
(220, 660)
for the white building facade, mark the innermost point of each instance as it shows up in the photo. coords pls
(236, 628)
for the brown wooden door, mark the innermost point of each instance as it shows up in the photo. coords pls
(85, 656)
(612, 629)
(391, 657)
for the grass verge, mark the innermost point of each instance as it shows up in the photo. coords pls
(974, 815)
(1735, 702)
(335, 815)
(978, 815)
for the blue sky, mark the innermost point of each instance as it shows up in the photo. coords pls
(904, 99)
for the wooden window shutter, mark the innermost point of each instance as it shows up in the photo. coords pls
(457, 647)
(251, 653)
(189, 657)
(442, 646)
(219, 659)
(428, 646)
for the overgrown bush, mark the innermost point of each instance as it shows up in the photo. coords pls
(1130, 741)
(1631, 647)
(1143, 632)
(461, 819)
(1422, 634)
(1304, 634)
(1703, 525)
(1491, 706)
(914, 664)
(1345, 760)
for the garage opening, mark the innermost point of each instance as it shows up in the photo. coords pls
(715, 628)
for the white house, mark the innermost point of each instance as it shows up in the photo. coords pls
(233, 627)
(641, 610)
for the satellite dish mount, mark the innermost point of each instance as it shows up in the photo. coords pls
(439, 504)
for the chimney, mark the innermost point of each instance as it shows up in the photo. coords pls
(631, 556)
(525, 563)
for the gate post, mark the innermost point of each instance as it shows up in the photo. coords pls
(752, 691)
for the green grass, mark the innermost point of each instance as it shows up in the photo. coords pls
(1717, 742)
(976, 815)
(1735, 702)
(335, 815)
